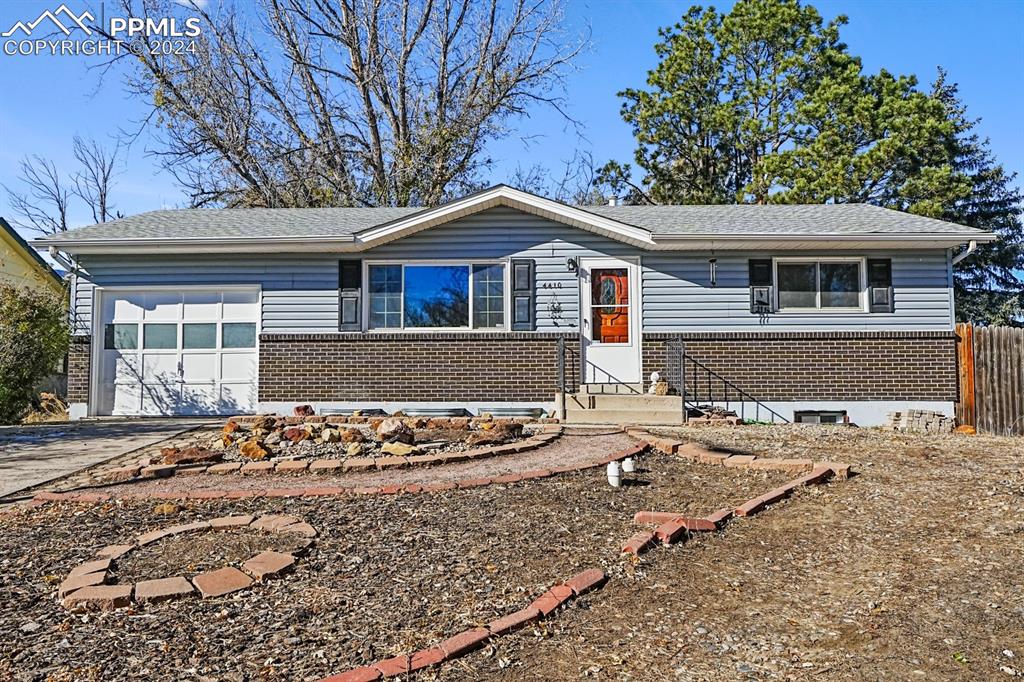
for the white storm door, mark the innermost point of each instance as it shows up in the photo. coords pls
(172, 352)
(610, 312)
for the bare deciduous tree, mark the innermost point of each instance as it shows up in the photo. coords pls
(45, 198)
(42, 206)
(347, 102)
(93, 181)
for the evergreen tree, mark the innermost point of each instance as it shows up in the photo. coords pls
(765, 104)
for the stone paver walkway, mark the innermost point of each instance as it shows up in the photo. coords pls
(32, 455)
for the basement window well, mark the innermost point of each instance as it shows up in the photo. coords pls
(820, 417)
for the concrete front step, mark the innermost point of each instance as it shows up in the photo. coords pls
(588, 408)
(622, 417)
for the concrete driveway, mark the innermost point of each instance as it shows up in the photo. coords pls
(32, 455)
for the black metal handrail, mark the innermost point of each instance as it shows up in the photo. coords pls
(568, 369)
(703, 376)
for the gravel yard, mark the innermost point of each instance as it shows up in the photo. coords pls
(387, 574)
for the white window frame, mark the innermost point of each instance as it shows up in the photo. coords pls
(817, 261)
(467, 262)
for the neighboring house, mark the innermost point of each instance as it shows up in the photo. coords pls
(20, 265)
(469, 304)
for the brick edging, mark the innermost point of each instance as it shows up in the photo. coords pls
(470, 640)
(86, 585)
(673, 527)
(331, 491)
(550, 434)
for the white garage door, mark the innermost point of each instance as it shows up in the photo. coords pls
(178, 352)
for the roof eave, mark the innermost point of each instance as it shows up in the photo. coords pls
(696, 242)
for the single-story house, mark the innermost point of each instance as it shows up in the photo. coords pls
(21, 266)
(500, 299)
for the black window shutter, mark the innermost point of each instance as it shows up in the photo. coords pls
(880, 299)
(761, 297)
(350, 288)
(523, 295)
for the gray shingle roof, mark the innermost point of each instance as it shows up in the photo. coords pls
(719, 220)
(776, 219)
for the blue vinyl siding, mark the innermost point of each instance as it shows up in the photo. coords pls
(300, 291)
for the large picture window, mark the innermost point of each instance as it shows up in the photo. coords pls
(819, 285)
(436, 296)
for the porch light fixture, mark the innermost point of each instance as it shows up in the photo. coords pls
(713, 271)
(572, 264)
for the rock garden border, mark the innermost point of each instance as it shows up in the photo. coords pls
(328, 491)
(549, 434)
(86, 585)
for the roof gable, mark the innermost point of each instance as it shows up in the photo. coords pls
(505, 196)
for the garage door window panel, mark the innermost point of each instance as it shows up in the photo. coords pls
(159, 336)
(199, 336)
(239, 335)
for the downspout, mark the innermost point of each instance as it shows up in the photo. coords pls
(972, 246)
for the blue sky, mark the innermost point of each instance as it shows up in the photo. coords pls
(48, 100)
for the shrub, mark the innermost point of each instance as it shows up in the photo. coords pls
(34, 338)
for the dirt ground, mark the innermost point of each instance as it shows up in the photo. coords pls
(909, 570)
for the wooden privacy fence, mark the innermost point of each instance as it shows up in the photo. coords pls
(991, 366)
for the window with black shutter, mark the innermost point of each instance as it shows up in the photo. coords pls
(880, 298)
(760, 271)
(350, 286)
(523, 295)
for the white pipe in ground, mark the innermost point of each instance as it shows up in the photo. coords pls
(614, 474)
(628, 465)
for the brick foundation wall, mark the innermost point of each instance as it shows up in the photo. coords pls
(429, 366)
(789, 366)
(78, 369)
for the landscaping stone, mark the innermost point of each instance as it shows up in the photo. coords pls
(114, 551)
(359, 464)
(231, 521)
(588, 580)
(226, 468)
(96, 565)
(514, 621)
(187, 528)
(123, 473)
(719, 517)
(426, 658)
(639, 543)
(275, 522)
(393, 667)
(151, 537)
(325, 465)
(73, 583)
(552, 599)
(268, 564)
(750, 507)
(292, 466)
(191, 455)
(159, 470)
(737, 461)
(303, 411)
(397, 449)
(253, 450)
(101, 597)
(464, 642)
(162, 589)
(366, 674)
(395, 430)
(222, 581)
(257, 468)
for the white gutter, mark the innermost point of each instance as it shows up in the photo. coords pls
(972, 246)
(840, 237)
